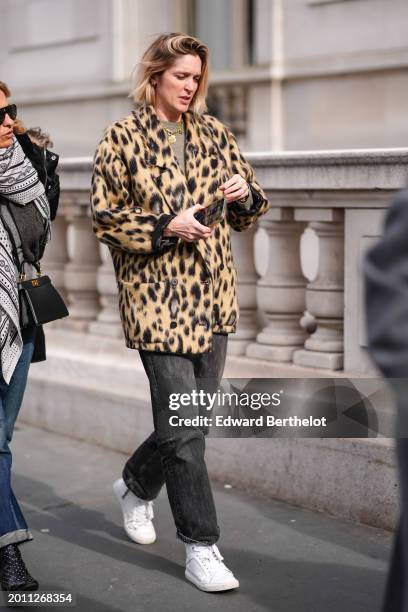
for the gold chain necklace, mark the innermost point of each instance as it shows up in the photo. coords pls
(171, 136)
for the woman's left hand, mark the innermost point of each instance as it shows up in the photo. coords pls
(236, 188)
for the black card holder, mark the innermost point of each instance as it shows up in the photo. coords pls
(40, 302)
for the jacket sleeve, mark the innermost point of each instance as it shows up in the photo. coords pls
(117, 221)
(386, 293)
(240, 216)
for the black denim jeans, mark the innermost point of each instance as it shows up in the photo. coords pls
(175, 454)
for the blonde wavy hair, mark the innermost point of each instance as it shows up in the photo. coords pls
(160, 56)
(18, 127)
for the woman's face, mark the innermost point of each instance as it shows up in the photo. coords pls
(176, 86)
(6, 128)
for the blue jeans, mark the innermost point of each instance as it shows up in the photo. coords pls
(175, 455)
(13, 527)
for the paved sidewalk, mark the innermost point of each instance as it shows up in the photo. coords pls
(286, 559)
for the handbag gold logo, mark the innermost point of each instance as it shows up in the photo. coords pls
(34, 283)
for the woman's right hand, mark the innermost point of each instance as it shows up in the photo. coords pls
(185, 226)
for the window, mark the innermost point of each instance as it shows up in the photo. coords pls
(227, 27)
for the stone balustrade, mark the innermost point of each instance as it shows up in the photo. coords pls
(338, 197)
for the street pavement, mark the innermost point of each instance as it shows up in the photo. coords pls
(287, 559)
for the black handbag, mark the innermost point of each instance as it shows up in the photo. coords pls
(40, 302)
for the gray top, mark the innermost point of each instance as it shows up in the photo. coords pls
(178, 145)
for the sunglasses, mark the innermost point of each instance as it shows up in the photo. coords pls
(10, 110)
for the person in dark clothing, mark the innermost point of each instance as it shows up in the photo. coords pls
(26, 184)
(386, 304)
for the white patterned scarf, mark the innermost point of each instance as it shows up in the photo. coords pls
(19, 180)
(11, 343)
(20, 184)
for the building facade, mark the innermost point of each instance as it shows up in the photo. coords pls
(286, 74)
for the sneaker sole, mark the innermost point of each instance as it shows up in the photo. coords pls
(234, 584)
(151, 540)
(139, 541)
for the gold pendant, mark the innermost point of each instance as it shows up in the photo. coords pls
(172, 139)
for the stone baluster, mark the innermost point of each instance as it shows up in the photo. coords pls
(243, 252)
(281, 290)
(325, 294)
(81, 270)
(108, 320)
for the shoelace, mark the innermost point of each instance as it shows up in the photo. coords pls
(141, 514)
(209, 554)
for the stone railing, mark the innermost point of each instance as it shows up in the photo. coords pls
(337, 197)
(340, 197)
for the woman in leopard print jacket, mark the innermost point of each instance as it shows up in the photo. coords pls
(153, 171)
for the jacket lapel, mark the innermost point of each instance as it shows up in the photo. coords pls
(178, 189)
(162, 161)
(205, 164)
(203, 172)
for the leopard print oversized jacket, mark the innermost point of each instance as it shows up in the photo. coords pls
(172, 294)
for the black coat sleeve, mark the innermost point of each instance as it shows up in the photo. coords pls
(386, 293)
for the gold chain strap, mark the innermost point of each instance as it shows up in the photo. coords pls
(23, 276)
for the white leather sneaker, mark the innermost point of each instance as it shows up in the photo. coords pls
(205, 569)
(137, 514)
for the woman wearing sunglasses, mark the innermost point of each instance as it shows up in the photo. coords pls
(22, 165)
(155, 173)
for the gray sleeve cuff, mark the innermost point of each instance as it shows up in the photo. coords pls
(247, 205)
(252, 204)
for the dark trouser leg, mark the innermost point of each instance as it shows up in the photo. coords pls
(175, 455)
(396, 593)
(143, 472)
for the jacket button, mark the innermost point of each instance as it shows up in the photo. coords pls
(173, 325)
(173, 282)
